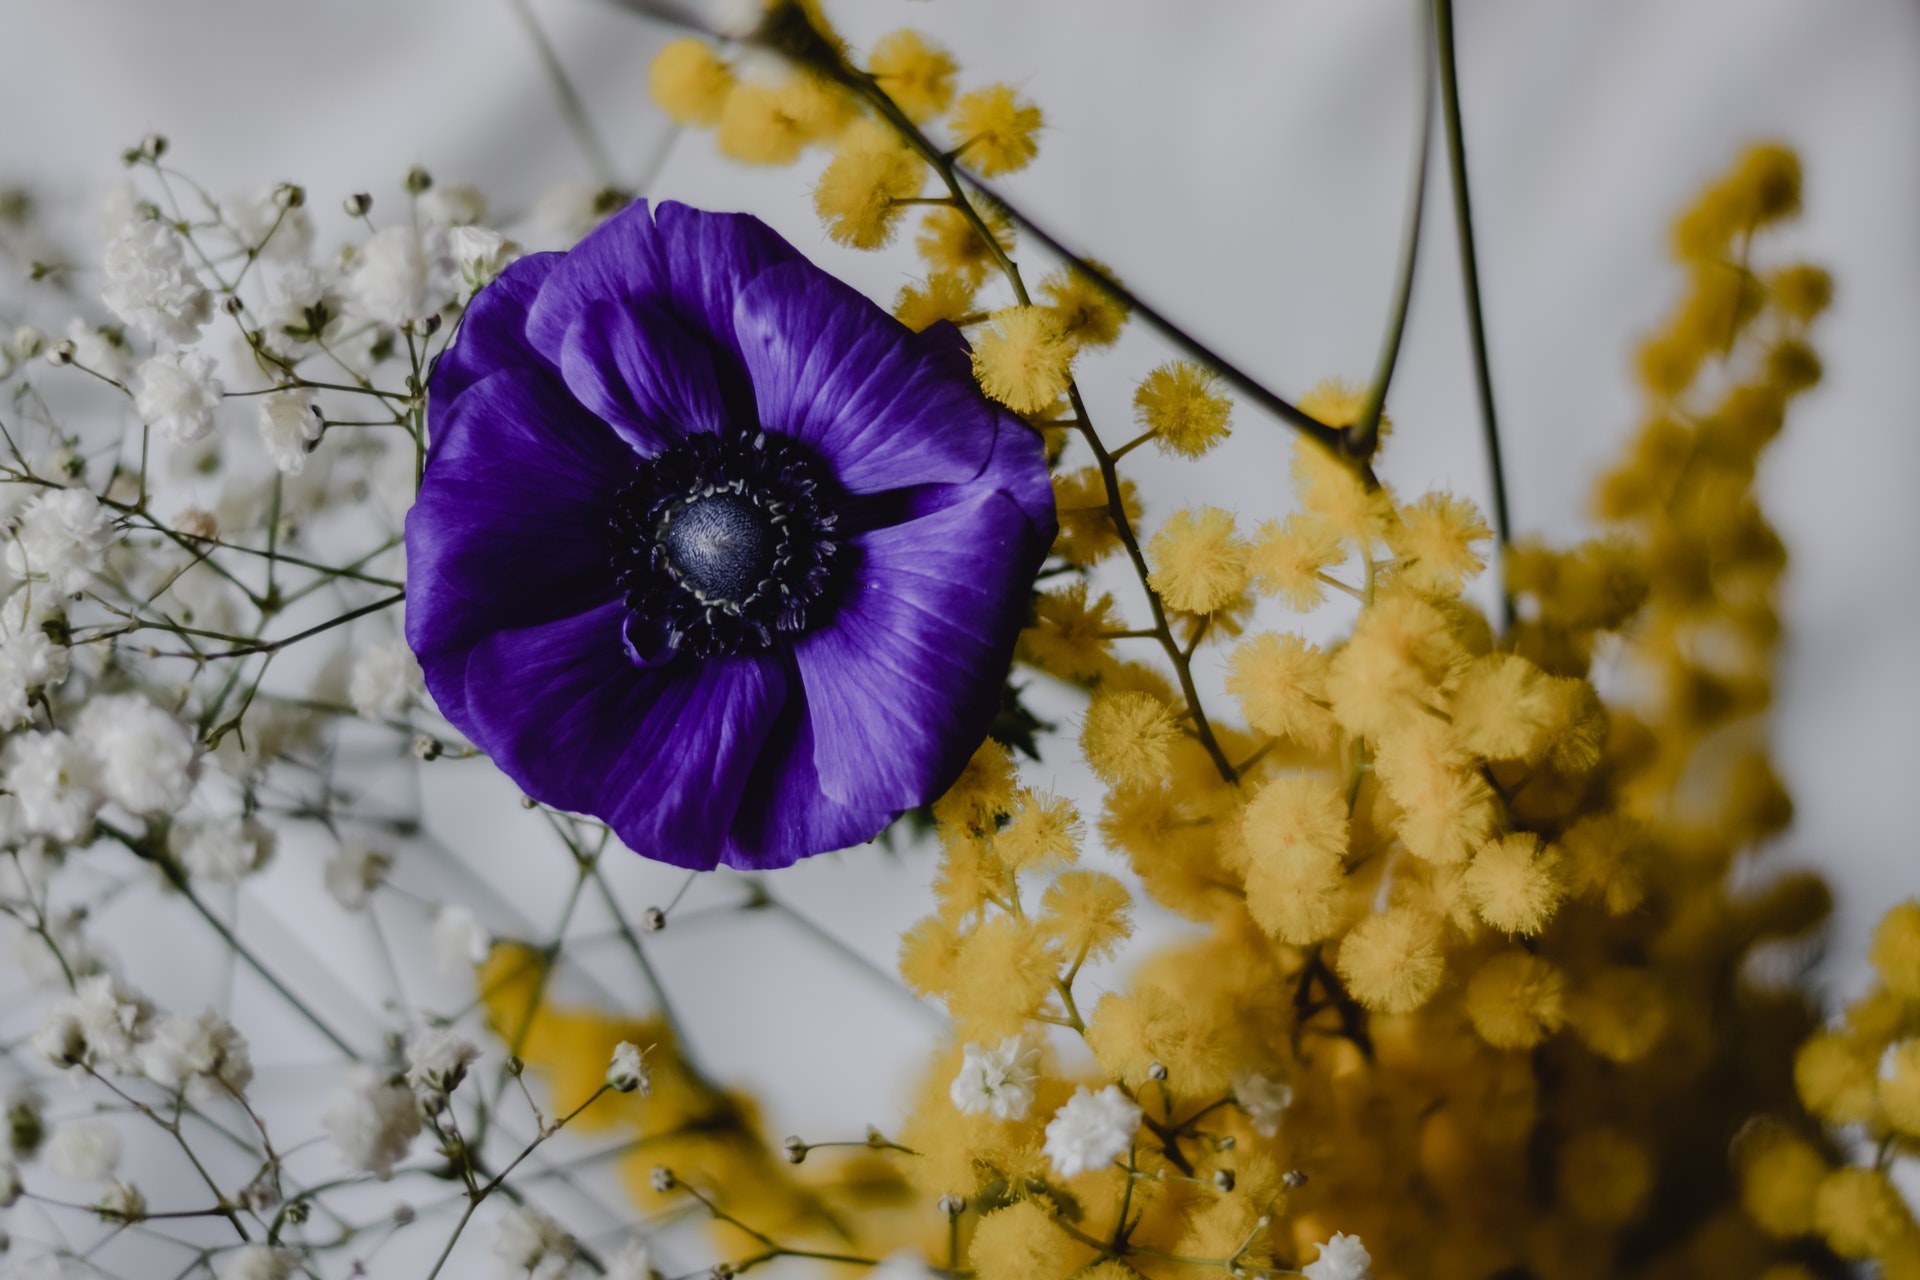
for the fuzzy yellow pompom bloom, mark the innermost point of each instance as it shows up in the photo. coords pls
(1003, 971)
(1859, 1214)
(1181, 404)
(1605, 1176)
(943, 295)
(983, 790)
(929, 956)
(1288, 559)
(765, 124)
(1900, 1087)
(971, 875)
(1802, 291)
(1516, 1000)
(859, 193)
(1503, 708)
(1436, 540)
(1128, 739)
(1621, 1014)
(1327, 486)
(1446, 807)
(1281, 683)
(1835, 1080)
(1088, 911)
(690, 82)
(1780, 1173)
(1606, 861)
(1402, 654)
(1295, 836)
(1045, 832)
(1199, 563)
(1069, 636)
(1023, 360)
(1087, 532)
(950, 243)
(1021, 1242)
(995, 130)
(918, 76)
(1516, 884)
(1087, 314)
(1896, 950)
(1131, 1031)
(1393, 962)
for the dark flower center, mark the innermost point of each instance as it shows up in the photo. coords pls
(719, 546)
(722, 543)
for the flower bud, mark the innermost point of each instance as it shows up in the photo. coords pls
(951, 1205)
(794, 1149)
(418, 181)
(298, 1211)
(628, 1070)
(1157, 1071)
(1223, 1179)
(60, 354)
(427, 748)
(1293, 1178)
(289, 195)
(661, 1178)
(153, 146)
(515, 1066)
(653, 920)
(403, 1214)
(357, 204)
(232, 304)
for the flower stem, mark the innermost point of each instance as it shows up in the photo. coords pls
(1470, 272)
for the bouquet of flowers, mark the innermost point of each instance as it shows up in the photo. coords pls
(709, 559)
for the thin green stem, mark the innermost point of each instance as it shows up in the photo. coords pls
(1470, 272)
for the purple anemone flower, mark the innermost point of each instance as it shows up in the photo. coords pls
(711, 547)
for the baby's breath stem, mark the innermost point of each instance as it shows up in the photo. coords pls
(1470, 272)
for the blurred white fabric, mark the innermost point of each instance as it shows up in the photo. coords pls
(1242, 164)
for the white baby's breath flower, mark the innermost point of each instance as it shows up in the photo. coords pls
(628, 1070)
(223, 850)
(55, 780)
(437, 1060)
(289, 427)
(531, 1243)
(372, 1120)
(178, 394)
(352, 874)
(102, 1024)
(458, 940)
(385, 678)
(999, 1080)
(30, 661)
(402, 276)
(84, 1150)
(482, 254)
(1341, 1258)
(256, 1262)
(1090, 1131)
(95, 349)
(633, 1262)
(198, 1051)
(145, 756)
(1263, 1099)
(151, 285)
(266, 221)
(63, 537)
(122, 1202)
